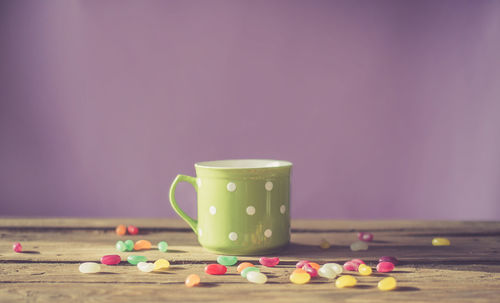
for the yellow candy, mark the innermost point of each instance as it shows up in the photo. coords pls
(440, 242)
(388, 283)
(300, 277)
(324, 244)
(161, 264)
(364, 270)
(346, 281)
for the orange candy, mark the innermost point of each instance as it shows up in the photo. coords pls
(314, 265)
(244, 265)
(142, 244)
(121, 230)
(192, 280)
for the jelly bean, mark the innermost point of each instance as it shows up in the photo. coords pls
(314, 265)
(120, 246)
(364, 236)
(245, 271)
(359, 245)
(17, 247)
(89, 268)
(145, 266)
(393, 260)
(337, 268)
(345, 281)
(310, 270)
(385, 267)
(388, 283)
(162, 246)
(133, 230)
(324, 244)
(192, 280)
(243, 265)
(121, 230)
(326, 272)
(358, 261)
(129, 245)
(256, 277)
(351, 266)
(440, 242)
(134, 260)
(299, 277)
(269, 262)
(301, 263)
(227, 260)
(364, 270)
(142, 245)
(161, 264)
(215, 269)
(111, 259)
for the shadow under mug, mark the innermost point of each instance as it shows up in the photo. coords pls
(243, 205)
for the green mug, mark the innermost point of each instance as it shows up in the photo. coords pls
(243, 205)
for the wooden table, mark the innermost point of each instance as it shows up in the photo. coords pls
(466, 271)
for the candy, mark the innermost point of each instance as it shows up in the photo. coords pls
(345, 281)
(301, 263)
(17, 247)
(364, 236)
(145, 266)
(440, 242)
(314, 265)
(111, 259)
(142, 245)
(388, 283)
(298, 277)
(161, 264)
(120, 246)
(337, 268)
(243, 265)
(385, 267)
(326, 272)
(324, 244)
(89, 268)
(247, 270)
(351, 266)
(129, 245)
(358, 261)
(364, 270)
(121, 230)
(227, 260)
(133, 230)
(269, 262)
(391, 259)
(310, 270)
(134, 260)
(192, 280)
(215, 269)
(256, 277)
(162, 246)
(359, 245)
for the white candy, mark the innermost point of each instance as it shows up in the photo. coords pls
(145, 266)
(326, 272)
(337, 268)
(256, 277)
(89, 268)
(359, 245)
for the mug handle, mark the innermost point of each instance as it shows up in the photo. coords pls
(183, 178)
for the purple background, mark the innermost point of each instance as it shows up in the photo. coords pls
(388, 109)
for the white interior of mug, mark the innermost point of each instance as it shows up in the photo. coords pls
(244, 163)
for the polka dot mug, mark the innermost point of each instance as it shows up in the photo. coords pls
(243, 205)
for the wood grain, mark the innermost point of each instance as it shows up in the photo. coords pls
(467, 271)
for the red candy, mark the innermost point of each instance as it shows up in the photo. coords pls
(391, 259)
(269, 262)
(366, 237)
(358, 261)
(385, 267)
(17, 247)
(133, 230)
(310, 270)
(111, 259)
(351, 266)
(301, 263)
(215, 269)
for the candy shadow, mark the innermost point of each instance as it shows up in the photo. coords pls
(34, 252)
(207, 284)
(107, 273)
(177, 251)
(363, 286)
(406, 288)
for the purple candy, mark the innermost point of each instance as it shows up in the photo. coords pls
(391, 259)
(366, 237)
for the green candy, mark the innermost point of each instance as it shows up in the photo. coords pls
(134, 260)
(247, 270)
(120, 246)
(129, 244)
(227, 260)
(162, 246)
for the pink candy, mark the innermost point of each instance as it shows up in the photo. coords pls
(269, 262)
(385, 267)
(310, 270)
(366, 237)
(391, 259)
(17, 247)
(111, 259)
(301, 263)
(353, 264)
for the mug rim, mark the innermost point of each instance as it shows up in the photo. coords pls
(238, 164)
